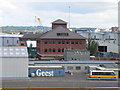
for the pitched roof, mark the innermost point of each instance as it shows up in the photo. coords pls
(52, 34)
(59, 21)
(32, 36)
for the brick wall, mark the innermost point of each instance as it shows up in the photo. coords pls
(53, 44)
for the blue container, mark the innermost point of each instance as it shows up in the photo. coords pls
(46, 72)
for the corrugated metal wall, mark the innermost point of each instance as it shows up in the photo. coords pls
(14, 67)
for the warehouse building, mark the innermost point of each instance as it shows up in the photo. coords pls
(46, 71)
(74, 66)
(14, 61)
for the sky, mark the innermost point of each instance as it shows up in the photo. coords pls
(83, 13)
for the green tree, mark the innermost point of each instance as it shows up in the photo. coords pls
(92, 46)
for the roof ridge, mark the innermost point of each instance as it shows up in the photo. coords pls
(59, 21)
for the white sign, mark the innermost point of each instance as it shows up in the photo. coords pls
(39, 72)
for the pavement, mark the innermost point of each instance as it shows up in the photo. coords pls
(77, 80)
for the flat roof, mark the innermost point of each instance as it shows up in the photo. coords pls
(71, 62)
(45, 66)
(9, 35)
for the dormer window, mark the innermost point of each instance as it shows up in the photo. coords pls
(62, 34)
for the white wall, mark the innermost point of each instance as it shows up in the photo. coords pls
(14, 67)
(14, 61)
(112, 44)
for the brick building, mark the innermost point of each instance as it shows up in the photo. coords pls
(51, 45)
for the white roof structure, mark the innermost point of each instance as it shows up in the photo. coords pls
(16, 52)
(9, 35)
(45, 66)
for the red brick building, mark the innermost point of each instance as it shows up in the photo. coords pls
(51, 45)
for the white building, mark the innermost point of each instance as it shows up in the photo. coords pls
(13, 62)
(108, 41)
(9, 39)
(13, 59)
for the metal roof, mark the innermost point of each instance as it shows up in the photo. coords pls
(32, 35)
(9, 35)
(45, 66)
(71, 62)
(13, 52)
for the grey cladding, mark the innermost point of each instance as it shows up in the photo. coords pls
(13, 52)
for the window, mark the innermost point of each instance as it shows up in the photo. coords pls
(69, 68)
(72, 42)
(76, 42)
(45, 50)
(62, 34)
(63, 50)
(46, 42)
(22, 44)
(50, 50)
(95, 73)
(67, 42)
(80, 42)
(54, 50)
(63, 42)
(95, 37)
(7, 41)
(78, 67)
(17, 41)
(53, 42)
(59, 42)
(50, 42)
(59, 50)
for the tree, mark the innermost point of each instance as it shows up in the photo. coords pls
(92, 46)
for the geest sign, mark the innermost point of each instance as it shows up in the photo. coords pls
(39, 72)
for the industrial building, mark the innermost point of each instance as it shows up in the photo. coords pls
(9, 40)
(14, 62)
(106, 40)
(74, 66)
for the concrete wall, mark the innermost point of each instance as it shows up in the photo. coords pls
(14, 67)
(77, 55)
(110, 47)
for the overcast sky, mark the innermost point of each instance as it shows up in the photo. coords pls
(83, 13)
